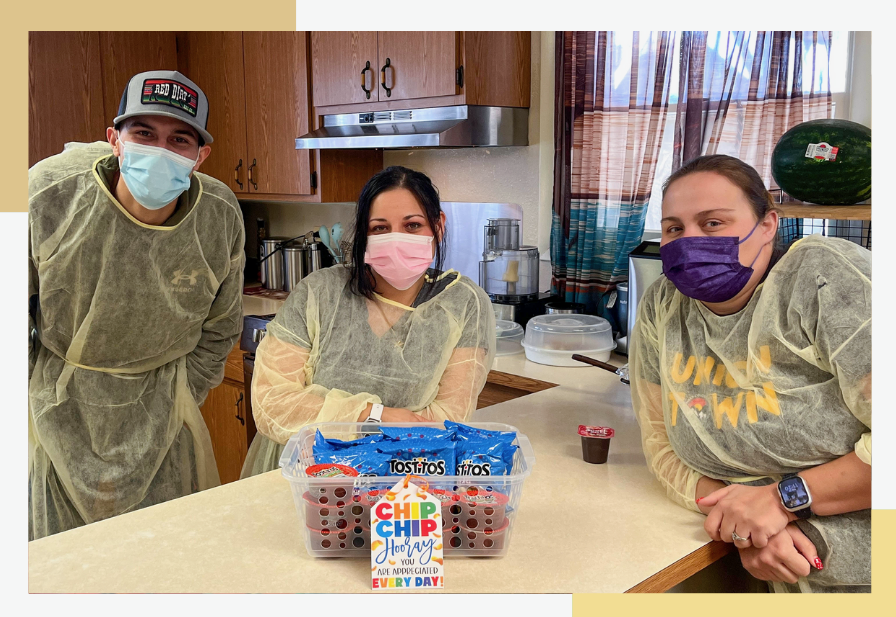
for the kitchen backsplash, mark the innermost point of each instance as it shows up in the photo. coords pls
(293, 219)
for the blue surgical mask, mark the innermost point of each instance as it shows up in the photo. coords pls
(154, 176)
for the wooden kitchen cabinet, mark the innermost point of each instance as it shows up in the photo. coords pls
(124, 54)
(425, 69)
(501, 387)
(337, 62)
(276, 68)
(76, 79)
(214, 60)
(420, 64)
(259, 103)
(224, 412)
(64, 92)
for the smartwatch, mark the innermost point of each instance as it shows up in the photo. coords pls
(795, 495)
(376, 414)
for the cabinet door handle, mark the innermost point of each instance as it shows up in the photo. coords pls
(238, 417)
(236, 174)
(383, 75)
(251, 176)
(364, 79)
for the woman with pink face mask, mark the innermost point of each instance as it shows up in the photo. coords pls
(385, 338)
(751, 380)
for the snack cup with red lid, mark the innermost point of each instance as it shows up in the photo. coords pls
(484, 541)
(481, 507)
(339, 540)
(327, 514)
(447, 499)
(595, 443)
(330, 484)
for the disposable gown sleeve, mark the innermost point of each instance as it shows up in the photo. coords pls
(679, 480)
(284, 395)
(468, 366)
(222, 326)
(842, 331)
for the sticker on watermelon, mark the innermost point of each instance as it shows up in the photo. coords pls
(822, 152)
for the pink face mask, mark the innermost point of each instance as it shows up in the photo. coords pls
(399, 258)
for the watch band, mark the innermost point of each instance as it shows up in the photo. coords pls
(802, 513)
(376, 413)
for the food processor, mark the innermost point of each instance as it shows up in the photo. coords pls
(508, 272)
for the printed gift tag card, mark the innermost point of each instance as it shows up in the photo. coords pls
(406, 539)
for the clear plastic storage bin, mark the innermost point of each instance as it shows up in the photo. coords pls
(334, 513)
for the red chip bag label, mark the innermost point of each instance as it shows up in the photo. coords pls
(822, 152)
(596, 431)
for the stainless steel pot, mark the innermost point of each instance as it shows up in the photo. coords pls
(315, 257)
(564, 308)
(294, 268)
(272, 264)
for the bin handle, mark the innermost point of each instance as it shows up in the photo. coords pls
(290, 454)
(526, 450)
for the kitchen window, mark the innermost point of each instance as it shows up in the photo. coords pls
(840, 64)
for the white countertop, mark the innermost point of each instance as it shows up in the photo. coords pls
(580, 527)
(258, 305)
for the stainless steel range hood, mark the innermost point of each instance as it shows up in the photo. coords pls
(460, 126)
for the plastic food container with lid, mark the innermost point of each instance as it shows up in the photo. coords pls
(509, 336)
(553, 339)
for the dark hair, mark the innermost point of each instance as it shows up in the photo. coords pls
(744, 177)
(395, 177)
(121, 124)
(737, 172)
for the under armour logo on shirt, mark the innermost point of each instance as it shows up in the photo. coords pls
(179, 277)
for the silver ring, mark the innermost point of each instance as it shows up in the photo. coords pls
(737, 538)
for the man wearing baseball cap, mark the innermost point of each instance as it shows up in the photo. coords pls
(135, 287)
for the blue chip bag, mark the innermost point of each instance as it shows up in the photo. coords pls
(401, 433)
(470, 433)
(321, 444)
(420, 457)
(365, 459)
(484, 458)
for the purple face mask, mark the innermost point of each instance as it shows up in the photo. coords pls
(707, 268)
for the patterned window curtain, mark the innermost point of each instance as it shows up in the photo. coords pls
(740, 91)
(611, 98)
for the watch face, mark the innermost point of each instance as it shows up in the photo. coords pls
(793, 493)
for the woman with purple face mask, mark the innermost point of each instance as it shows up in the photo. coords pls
(751, 381)
(386, 338)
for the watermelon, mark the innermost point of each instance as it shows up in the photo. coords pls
(826, 162)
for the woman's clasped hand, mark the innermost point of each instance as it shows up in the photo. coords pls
(771, 547)
(788, 556)
(753, 513)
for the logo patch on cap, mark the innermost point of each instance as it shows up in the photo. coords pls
(170, 92)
